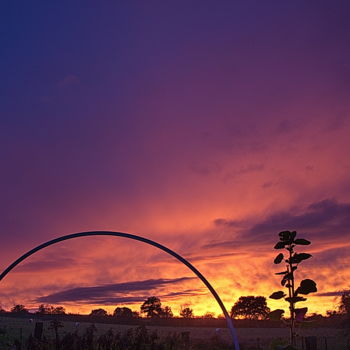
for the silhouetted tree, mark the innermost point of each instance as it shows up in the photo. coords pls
(59, 310)
(209, 315)
(123, 312)
(167, 312)
(250, 307)
(2, 311)
(344, 306)
(288, 241)
(99, 313)
(44, 309)
(20, 309)
(50, 310)
(152, 307)
(186, 312)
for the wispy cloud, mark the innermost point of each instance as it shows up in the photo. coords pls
(327, 215)
(110, 293)
(326, 218)
(333, 293)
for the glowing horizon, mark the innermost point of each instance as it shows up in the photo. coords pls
(185, 294)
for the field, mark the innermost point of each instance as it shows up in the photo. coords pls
(250, 338)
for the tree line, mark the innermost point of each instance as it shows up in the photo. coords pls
(246, 307)
(151, 308)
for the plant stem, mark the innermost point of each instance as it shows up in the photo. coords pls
(291, 295)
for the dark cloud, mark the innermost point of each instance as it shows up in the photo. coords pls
(326, 218)
(107, 301)
(333, 293)
(326, 215)
(109, 293)
(188, 293)
(126, 299)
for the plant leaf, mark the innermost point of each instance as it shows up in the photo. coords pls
(287, 277)
(292, 236)
(302, 241)
(280, 245)
(277, 295)
(295, 299)
(297, 258)
(276, 314)
(306, 286)
(281, 273)
(285, 236)
(304, 256)
(278, 258)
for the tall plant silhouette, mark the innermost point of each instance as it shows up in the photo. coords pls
(292, 259)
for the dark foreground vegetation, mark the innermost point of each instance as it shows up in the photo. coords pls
(55, 333)
(138, 338)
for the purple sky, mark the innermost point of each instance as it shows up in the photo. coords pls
(208, 126)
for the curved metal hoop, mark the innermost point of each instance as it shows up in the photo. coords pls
(136, 238)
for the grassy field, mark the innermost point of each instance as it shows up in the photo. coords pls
(327, 338)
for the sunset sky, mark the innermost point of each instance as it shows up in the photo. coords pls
(207, 126)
